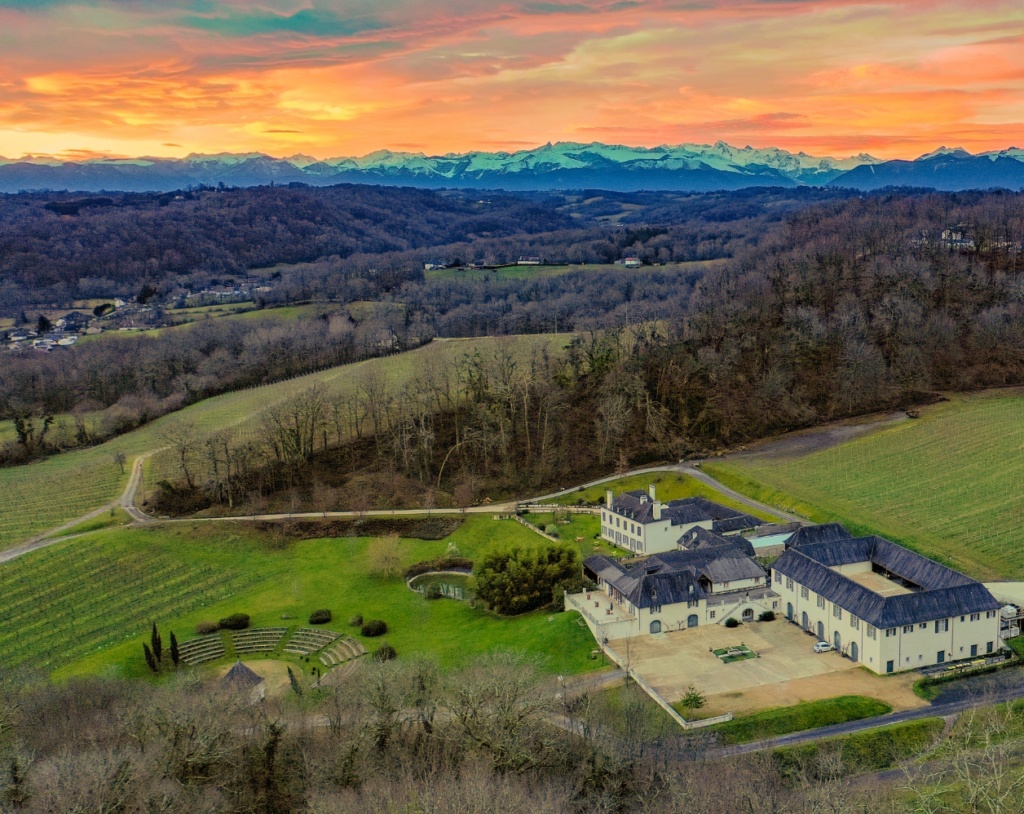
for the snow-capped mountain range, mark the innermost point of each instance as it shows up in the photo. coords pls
(565, 165)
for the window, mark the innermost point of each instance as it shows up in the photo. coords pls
(990, 614)
(942, 625)
(854, 622)
(988, 647)
(778, 578)
(975, 617)
(655, 608)
(962, 618)
(821, 602)
(712, 615)
(888, 667)
(974, 650)
(693, 603)
(872, 633)
(837, 611)
(890, 631)
(908, 628)
(775, 605)
(789, 583)
(923, 625)
(803, 592)
(725, 584)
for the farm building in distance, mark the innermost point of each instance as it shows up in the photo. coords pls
(882, 604)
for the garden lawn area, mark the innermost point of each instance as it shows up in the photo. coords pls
(946, 484)
(278, 583)
(774, 722)
(41, 495)
(668, 486)
(731, 654)
(579, 525)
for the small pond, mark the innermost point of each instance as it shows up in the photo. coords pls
(450, 585)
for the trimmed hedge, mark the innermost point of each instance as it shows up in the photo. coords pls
(440, 564)
(374, 627)
(236, 621)
(320, 617)
(206, 627)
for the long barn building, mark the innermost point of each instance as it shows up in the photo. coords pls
(881, 604)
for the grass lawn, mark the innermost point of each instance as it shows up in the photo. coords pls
(115, 517)
(668, 486)
(102, 592)
(774, 722)
(516, 272)
(946, 484)
(873, 750)
(731, 654)
(42, 495)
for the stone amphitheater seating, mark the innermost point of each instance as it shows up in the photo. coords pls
(258, 640)
(341, 651)
(202, 649)
(306, 640)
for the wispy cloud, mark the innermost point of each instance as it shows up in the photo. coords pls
(347, 77)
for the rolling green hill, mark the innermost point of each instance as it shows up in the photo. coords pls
(947, 484)
(42, 495)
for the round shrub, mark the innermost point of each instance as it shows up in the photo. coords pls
(374, 627)
(766, 616)
(207, 627)
(384, 653)
(356, 620)
(236, 621)
(731, 622)
(320, 617)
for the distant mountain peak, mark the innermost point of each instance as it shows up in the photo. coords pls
(960, 152)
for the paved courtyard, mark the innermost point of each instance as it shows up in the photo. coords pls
(786, 671)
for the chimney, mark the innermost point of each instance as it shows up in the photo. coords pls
(657, 510)
(650, 491)
(608, 495)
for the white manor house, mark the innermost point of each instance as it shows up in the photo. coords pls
(877, 602)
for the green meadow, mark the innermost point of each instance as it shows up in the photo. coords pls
(668, 486)
(42, 495)
(516, 272)
(947, 484)
(84, 606)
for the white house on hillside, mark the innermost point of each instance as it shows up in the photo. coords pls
(639, 522)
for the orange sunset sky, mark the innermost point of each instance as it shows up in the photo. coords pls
(346, 77)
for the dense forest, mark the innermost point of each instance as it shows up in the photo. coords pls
(853, 307)
(817, 307)
(55, 248)
(403, 736)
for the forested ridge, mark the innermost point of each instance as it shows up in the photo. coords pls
(816, 310)
(853, 307)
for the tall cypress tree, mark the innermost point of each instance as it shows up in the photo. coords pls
(157, 644)
(150, 658)
(175, 654)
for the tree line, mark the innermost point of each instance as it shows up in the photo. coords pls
(853, 307)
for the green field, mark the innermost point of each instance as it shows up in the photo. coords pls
(668, 486)
(42, 495)
(947, 484)
(84, 606)
(771, 723)
(516, 272)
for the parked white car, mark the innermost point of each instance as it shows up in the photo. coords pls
(822, 647)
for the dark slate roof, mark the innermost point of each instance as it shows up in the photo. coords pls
(942, 592)
(825, 533)
(697, 538)
(738, 523)
(241, 677)
(638, 507)
(674, 576)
